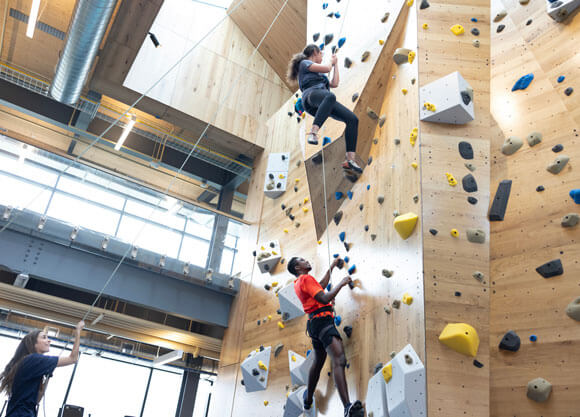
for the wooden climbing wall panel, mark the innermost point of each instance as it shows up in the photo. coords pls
(531, 234)
(455, 386)
(376, 333)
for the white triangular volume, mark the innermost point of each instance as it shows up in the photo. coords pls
(376, 401)
(406, 391)
(290, 304)
(295, 405)
(268, 255)
(299, 367)
(276, 174)
(446, 95)
(560, 10)
(260, 381)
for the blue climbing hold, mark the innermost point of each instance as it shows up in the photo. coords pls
(346, 259)
(533, 338)
(337, 321)
(341, 41)
(341, 236)
(324, 6)
(328, 287)
(326, 140)
(335, 255)
(338, 195)
(308, 352)
(321, 46)
(352, 269)
(337, 15)
(299, 106)
(368, 187)
(561, 78)
(349, 195)
(523, 82)
(473, 19)
(575, 194)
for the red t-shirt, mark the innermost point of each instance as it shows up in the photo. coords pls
(306, 287)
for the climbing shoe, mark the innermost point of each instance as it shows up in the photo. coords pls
(306, 405)
(355, 409)
(352, 166)
(312, 138)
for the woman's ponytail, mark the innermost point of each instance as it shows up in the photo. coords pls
(294, 66)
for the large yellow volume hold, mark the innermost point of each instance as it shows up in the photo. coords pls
(461, 338)
(413, 136)
(457, 30)
(405, 224)
(261, 365)
(388, 372)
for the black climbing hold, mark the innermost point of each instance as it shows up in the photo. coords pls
(475, 32)
(297, 95)
(510, 341)
(242, 382)
(351, 285)
(355, 96)
(340, 263)
(298, 119)
(347, 62)
(317, 159)
(254, 253)
(366, 227)
(499, 205)
(337, 217)
(433, 231)
(465, 97)
(267, 287)
(271, 176)
(283, 157)
(286, 316)
(290, 114)
(500, 28)
(316, 36)
(378, 368)
(266, 267)
(465, 150)
(347, 246)
(295, 189)
(348, 331)
(529, 22)
(328, 38)
(472, 200)
(331, 14)
(424, 4)
(278, 311)
(370, 160)
(279, 185)
(272, 245)
(477, 363)
(361, 206)
(261, 348)
(568, 91)
(540, 188)
(557, 148)
(551, 269)
(333, 49)
(469, 184)
(255, 372)
(458, 293)
(283, 206)
(291, 217)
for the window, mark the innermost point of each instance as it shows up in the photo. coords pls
(194, 251)
(227, 261)
(163, 394)
(148, 236)
(21, 194)
(204, 390)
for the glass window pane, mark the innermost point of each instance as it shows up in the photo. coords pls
(160, 216)
(91, 192)
(108, 388)
(200, 224)
(194, 251)
(20, 194)
(227, 261)
(83, 213)
(154, 238)
(163, 394)
(204, 389)
(26, 169)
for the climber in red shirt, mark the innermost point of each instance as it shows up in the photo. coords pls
(321, 329)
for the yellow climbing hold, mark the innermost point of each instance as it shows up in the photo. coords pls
(411, 57)
(454, 233)
(407, 299)
(269, 317)
(429, 106)
(297, 180)
(281, 325)
(405, 224)
(275, 284)
(303, 115)
(281, 176)
(414, 134)
(320, 242)
(410, 2)
(404, 91)
(293, 358)
(387, 372)
(461, 338)
(274, 253)
(306, 200)
(451, 179)
(261, 365)
(425, 26)
(266, 403)
(457, 30)
(285, 230)
(304, 209)
(381, 42)
(414, 165)
(263, 248)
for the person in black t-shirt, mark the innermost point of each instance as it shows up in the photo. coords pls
(307, 69)
(25, 377)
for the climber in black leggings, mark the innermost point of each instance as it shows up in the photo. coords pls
(308, 70)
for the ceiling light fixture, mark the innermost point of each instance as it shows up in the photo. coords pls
(126, 131)
(168, 357)
(32, 18)
(154, 40)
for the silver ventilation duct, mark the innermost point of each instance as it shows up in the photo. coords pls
(89, 23)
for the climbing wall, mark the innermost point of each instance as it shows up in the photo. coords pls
(531, 233)
(452, 295)
(376, 332)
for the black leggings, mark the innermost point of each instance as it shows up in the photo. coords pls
(321, 103)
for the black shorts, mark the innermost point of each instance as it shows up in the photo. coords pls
(321, 330)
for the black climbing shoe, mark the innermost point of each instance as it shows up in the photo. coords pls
(352, 166)
(306, 405)
(355, 409)
(312, 138)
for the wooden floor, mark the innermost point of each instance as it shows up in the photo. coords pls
(521, 300)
